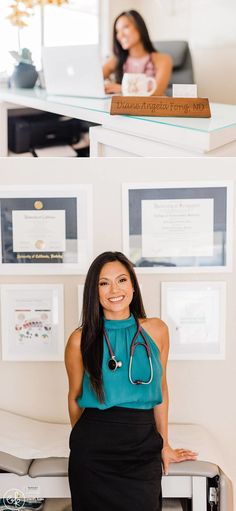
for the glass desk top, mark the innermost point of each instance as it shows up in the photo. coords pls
(223, 115)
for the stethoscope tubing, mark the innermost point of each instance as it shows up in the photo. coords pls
(139, 382)
(134, 345)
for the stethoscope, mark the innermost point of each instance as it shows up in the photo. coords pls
(114, 364)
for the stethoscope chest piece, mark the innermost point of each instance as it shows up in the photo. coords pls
(113, 364)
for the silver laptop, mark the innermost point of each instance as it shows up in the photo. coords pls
(73, 71)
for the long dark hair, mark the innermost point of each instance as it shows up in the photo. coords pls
(92, 317)
(118, 51)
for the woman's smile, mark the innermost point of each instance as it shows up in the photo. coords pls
(116, 298)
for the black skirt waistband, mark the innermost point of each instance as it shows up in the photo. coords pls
(120, 414)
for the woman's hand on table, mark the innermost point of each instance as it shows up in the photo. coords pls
(112, 88)
(170, 455)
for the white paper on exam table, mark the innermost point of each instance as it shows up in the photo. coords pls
(28, 438)
(31, 438)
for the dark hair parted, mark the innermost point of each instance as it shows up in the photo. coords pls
(92, 317)
(122, 54)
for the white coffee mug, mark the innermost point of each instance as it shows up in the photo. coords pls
(137, 84)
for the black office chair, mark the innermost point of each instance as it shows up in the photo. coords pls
(182, 62)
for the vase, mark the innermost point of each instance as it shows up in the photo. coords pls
(24, 76)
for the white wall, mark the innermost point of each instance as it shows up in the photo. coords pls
(208, 25)
(201, 392)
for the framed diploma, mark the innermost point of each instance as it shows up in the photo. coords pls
(195, 315)
(32, 322)
(178, 227)
(48, 229)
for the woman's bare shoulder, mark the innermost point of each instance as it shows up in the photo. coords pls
(73, 354)
(156, 328)
(153, 323)
(164, 58)
(113, 60)
(74, 340)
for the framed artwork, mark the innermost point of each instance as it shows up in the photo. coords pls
(80, 290)
(195, 313)
(32, 322)
(45, 229)
(178, 227)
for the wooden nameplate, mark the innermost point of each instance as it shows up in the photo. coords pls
(160, 106)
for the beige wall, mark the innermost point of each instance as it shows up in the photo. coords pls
(208, 25)
(200, 391)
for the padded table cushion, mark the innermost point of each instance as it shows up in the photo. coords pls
(49, 467)
(193, 468)
(59, 467)
(9, 463)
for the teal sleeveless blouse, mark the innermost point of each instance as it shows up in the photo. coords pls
(117, 387)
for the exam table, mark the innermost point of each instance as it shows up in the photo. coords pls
(34, 461)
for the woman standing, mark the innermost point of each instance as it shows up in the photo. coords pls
(118, 397)
(133, 52)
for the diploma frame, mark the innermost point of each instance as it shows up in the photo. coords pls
(32, 322)
(218, 193)
(195, 313)
(77, 205)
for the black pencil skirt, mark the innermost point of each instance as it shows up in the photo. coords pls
(115, 461)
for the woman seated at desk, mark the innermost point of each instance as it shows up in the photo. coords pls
(135, 53)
